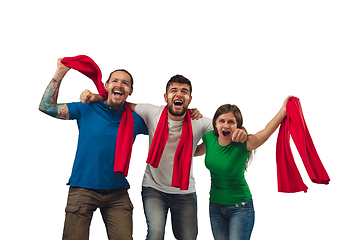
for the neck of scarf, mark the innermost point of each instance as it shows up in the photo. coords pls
(289, 178)
(89, 68)
(183, 153)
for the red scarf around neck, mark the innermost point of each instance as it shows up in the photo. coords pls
(124, 142)
(183, 153)
(289, 178)
(89, 68)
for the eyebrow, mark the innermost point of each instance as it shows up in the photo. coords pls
(229, 120)
(121, 79)
(175, 88)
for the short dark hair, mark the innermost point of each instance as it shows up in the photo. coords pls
(178, 79)
(122, 70)
(225, 109)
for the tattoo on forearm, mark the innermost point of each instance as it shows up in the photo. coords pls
(49, 101)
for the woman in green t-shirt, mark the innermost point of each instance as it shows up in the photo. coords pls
(231, 208)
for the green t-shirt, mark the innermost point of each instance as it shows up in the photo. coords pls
(227, 167)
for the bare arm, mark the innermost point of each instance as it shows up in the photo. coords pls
(87, 96)
(256, 140)
(200, 150)
(48, 102)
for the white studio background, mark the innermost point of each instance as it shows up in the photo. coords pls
(249, 53)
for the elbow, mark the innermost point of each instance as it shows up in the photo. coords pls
(44, 109)
(199, 152)
(41, 109)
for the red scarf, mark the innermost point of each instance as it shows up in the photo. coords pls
(183, 153)
(89, 68)
(289, 178)
(124, 142)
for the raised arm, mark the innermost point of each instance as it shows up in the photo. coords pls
(256, 140)
(48, 102)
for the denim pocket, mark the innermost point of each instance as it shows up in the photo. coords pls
(246, 205)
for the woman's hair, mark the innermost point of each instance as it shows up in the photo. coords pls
(225, 109)
(239, 120)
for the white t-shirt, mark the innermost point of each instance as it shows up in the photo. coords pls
(160, 178)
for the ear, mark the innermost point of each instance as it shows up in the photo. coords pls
(165, 97)
(106, 86)
(190, 99)
(131, 91)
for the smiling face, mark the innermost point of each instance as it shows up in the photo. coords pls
(226, 124)
(118, 88)
(178, 98)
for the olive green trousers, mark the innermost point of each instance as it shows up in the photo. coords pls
(115, 207)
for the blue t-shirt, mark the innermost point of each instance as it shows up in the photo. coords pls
(98, 126)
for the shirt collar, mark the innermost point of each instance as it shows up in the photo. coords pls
(109, 108)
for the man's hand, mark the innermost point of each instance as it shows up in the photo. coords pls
(239, 135)
(195, 114)
(87, 96)
(61, 68)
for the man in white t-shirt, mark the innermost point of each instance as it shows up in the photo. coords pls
(158, 195)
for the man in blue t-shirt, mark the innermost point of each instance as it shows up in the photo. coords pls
(93, 182)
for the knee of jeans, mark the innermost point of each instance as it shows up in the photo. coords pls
(156, 221)
(155, 231)
(156, 227)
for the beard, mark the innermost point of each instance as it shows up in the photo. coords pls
(177, 113)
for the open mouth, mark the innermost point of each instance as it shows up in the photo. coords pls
(226, 133)
(118, 93)
(178, 103)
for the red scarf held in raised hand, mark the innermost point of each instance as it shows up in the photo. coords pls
(89, 68)
(289, 178)
(124, 141)
(183, 153)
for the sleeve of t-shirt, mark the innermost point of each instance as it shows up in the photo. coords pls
(76, 109)
(145, 111)
(207, 125)
(141, 126)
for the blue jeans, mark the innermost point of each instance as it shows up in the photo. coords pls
(183, 208)
(232, 222)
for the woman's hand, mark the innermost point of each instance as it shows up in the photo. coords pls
(283, 108)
